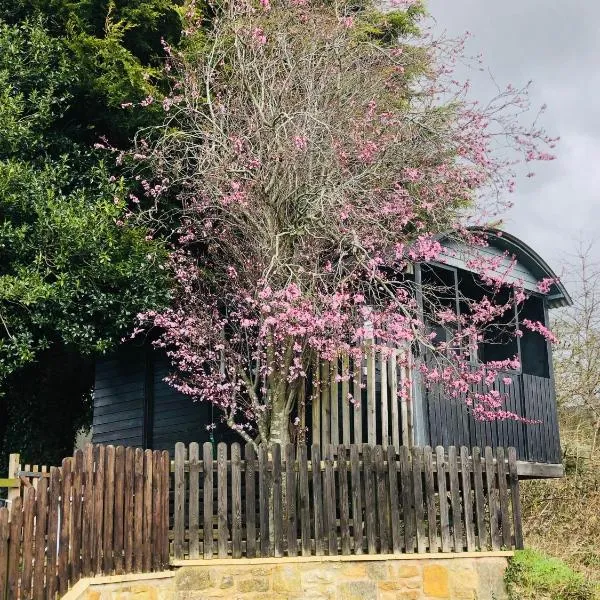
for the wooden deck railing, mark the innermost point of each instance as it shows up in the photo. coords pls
(362, 500)
(105, 510)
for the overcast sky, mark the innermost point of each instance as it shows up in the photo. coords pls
(557, 45)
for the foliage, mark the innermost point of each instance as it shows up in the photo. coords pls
(560, 517)
(313, 160)
(75, 265)
(531, 575)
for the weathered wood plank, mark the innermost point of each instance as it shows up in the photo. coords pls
(27, 557)
(457, 524)
(385, 434)
(87, 517)
(357, 520)
(370, 501)
(65, 527)
(118, 526)
(357, 398)
(430, 499)
(504, 499)
(491, 487)
(345, 400)
(371, 399)
(76, 515)
(482, 533)
(382, 500)
(128, 508)
(41, 524)
(194, 503)
(344, 500)
(329, 509)
(396, 533)
(277, 502)
(443, 498)
(290, 502)
(465, 473)
(315, 456)
(207, 459)
(138, 510)
(157, 500)
(417, 470)
(334, 399)
(236, 501)
(98, 531)
(304, 500)
(516, 498)
(147, 514)
(4, 533)
(15, 546)
(263, 501)
(52, 540)
(250, 458)
(325, 404)
(316, 406)
(408, 513)
(179, 502)
(392, 366)
(223, 530)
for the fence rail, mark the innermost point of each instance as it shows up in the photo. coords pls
(365, 499)
(104, 510)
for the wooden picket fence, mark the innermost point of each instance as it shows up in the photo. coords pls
(365, 499)
(104, 511)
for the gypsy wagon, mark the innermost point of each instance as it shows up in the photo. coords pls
(134, 406)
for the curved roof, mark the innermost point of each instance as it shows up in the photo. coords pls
(531, 266)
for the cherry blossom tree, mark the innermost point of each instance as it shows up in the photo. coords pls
(316, 150)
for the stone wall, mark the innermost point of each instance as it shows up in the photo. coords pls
(465, 578)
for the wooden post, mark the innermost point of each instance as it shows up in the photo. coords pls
(14, 461)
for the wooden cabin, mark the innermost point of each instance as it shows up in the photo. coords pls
(134, 406)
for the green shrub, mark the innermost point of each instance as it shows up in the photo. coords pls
(532, 575)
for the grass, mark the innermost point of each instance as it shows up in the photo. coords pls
(533, 575)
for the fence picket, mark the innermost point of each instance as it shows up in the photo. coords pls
(317, 499)
(98, 530)
(147, 511)
(490, 478)
(65, 523)
(455, 500)
(27, 560)
(304, 500)
(236, 501)
(250, 458)
(41, 520)
(4, 533)
(417, 482)
(76, 508)
(14, 552)
(179, 506)
(138, 510)
(440, 458)
(407, 500)
(119, 499)
(223, 531)
(87, 517)
(357, 520)
(394, 500)
(382, 500)
(128, 509)
(329, 505)
(370, 508)
(430, 499)
(277, 502)
(465, 474)
(207, 459)
(504, 500)
(263, 496)
(344, 500)
(109, 494)
(515, 497)
(290, 497)
(482, 533)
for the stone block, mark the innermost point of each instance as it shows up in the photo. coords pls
(401, 595)
(435, 581)
(256, 584)
(193, 578)
(354, 570)
(226, 582)
(377, 571)
(357, 590)
(464, 583)
(287, 579)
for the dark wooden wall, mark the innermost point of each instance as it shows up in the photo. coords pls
(134, 406)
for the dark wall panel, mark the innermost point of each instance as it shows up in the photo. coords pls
(119, 398)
